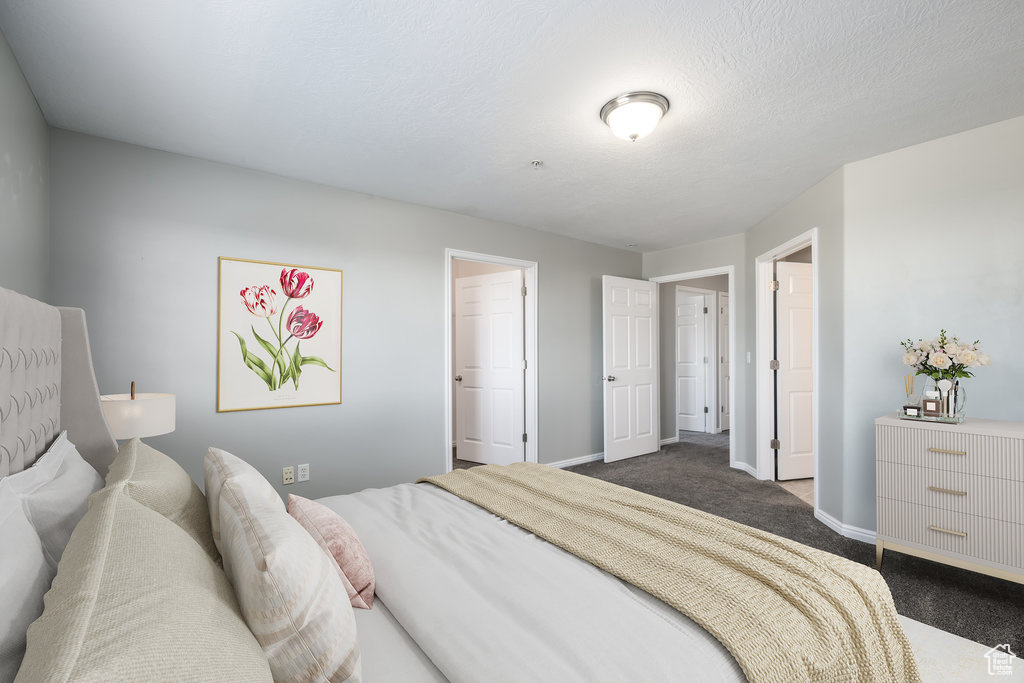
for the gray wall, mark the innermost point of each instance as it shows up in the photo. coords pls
(923, 238)
(725, 251)
(136, 236)
(24, 184)
(822, 207)
(934, 239)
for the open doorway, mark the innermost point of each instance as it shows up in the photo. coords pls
(490, 351)
(696, 350)
(787, 396)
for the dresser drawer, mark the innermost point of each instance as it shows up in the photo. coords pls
(950, 450)
(952, 532)
(999, 499)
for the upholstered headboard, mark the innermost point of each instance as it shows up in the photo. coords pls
(47, 384)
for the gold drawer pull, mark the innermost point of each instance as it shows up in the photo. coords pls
(942, 490)
(942, 450)
(948, 531)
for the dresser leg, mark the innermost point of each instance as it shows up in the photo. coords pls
(879, 546)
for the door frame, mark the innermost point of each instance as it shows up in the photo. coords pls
(764, 400)
(530, 347)
(710, 383)
(718, 365)
(691, 275)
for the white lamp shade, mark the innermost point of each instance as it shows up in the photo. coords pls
(147, 415)
(634, 120)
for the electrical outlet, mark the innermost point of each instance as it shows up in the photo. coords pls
(304, 472)
(288, 475)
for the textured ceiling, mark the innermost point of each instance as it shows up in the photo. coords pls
(445, 102)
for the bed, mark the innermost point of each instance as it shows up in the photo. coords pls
(461, 593)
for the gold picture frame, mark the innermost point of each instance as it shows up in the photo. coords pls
(267, 360)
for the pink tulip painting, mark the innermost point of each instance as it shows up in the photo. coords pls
(259, 300)
(296, 284)
(302, 324)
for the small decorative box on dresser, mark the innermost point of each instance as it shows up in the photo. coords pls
(952, 493)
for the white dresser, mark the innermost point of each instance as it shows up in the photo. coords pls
(952, 493)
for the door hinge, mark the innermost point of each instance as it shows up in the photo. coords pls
(774, 286)
(705, 310)
(774, 365)
(705, 409)
(705, 359)
(524, 437)
(524, 365)
(775, 445)
(524, 290)
(723, 409)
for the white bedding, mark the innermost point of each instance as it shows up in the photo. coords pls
(387, 652)
(486, 601)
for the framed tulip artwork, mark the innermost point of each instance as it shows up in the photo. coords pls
(278, 335)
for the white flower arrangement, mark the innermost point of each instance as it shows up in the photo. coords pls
(944, 357)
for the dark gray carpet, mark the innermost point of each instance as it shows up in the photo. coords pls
(696, 472)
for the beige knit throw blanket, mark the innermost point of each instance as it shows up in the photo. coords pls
(786, 612)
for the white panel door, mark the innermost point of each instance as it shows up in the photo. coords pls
(794, 326)
(723, 361)
(490, 412)
(691, 362)
(630, 324)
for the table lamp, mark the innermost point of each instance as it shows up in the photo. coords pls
(138, 415)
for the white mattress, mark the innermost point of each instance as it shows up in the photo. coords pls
(466, 596)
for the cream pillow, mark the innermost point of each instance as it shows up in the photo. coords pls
(158, 482)
(218, 467)
(136, 599)
(287, 587)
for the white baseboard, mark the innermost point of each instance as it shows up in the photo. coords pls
(671, 439)
(749, 469)
(850, 531)
(576, 461)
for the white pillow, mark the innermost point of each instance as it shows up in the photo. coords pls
(54, 492)
(288, 588)
(219, 467)
(26, 575)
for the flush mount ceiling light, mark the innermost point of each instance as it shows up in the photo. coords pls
(634, 115)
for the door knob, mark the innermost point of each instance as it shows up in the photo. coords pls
(610, 378)
(458, 378)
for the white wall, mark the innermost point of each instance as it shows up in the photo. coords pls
(934, 239)
(24, 184)
(136, 236)
(463, 268)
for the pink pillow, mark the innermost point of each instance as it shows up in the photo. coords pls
(340, 542)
